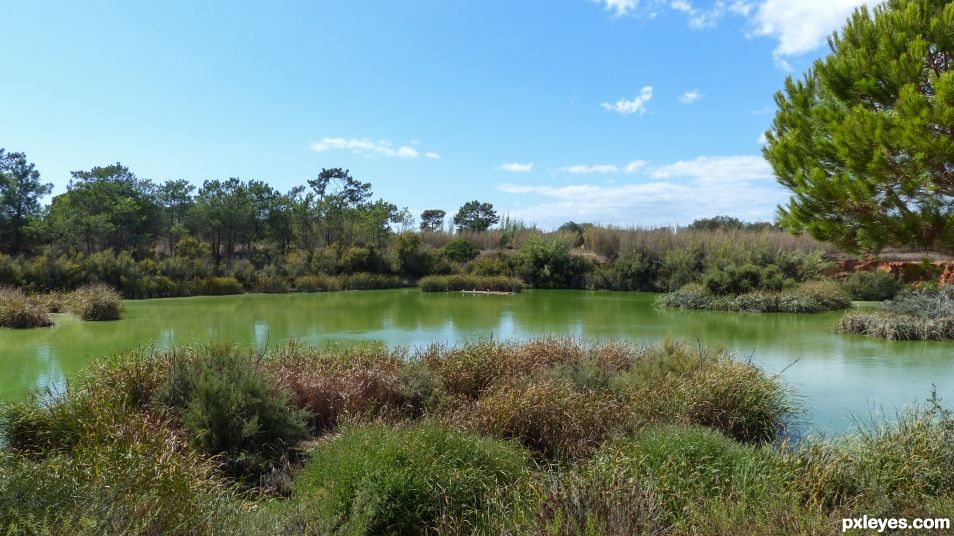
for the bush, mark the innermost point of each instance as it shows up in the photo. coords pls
(872, 286)
(460, 250)
(225, 401)
(898, 327)
(376, 480)
(20, 312)
(368, 281)
(217, 286)
(317, 283)
(447, 283)
(548, 263)
(96, 302)
(735, 280)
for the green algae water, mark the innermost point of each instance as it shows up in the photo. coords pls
(838, 378)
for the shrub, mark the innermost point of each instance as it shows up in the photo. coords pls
(898, 327)
(96, 302)
(460, 250)
(368, 281)
(923, 303)
(376, 480)
(447, 283)
(225, 401)
(18, 311)
(548, 263)
(872, 286)
(809, 297)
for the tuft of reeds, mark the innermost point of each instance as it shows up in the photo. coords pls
(917, 315)
(96, 302)
(19, 311)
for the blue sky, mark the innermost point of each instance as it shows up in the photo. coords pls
(631, 112)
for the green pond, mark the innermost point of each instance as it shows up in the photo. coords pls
(839, 378)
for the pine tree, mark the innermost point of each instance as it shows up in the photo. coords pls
(865, 140)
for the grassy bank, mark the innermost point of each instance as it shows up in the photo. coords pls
(446, 283)
(810, 297)
(917, 315)
(553, 436)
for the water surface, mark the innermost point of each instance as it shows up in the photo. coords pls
(838, 376)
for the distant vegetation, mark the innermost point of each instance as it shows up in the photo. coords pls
(486, 283)
(149, 239)
(552, 436)
(809, 297)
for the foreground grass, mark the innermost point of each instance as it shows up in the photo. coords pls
(551, 436)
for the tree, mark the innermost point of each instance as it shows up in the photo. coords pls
(432, 219)
(717, 223)
(20, 193)
(106, 207)
(475, 216)
(175, 198)
(865, 140)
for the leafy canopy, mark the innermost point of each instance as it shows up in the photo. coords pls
(865, 140)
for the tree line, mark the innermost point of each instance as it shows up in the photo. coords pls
(110, 208)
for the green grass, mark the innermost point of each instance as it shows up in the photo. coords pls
(96, 302)
(917, 315)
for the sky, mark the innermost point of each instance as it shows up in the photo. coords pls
(625, 112)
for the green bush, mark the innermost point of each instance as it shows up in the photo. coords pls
(377, 480)
(225, 401)
(548, 263)
(809, 297)
(96, 302)
(734, 280)
(317, 283)
(18, 311)
(460, 250)
(872, 286)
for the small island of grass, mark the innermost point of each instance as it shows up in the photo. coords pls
(917, 315)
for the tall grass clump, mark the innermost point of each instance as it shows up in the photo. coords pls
(916, 315)
(19, 311)
(421, 479)
(447, 283)
(96, 302)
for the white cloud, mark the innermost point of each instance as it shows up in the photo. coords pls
(683, 191)
(762, 139)
(716, 169)
(690, 97)
(635, 166)
(586, 170)
(365, 147)
(802, 26)
(517, 167)
(626, 107)
(433, 156)
(618, 7)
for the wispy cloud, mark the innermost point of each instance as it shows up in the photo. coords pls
(741, 186)
(582, 169)
(589, 169)
(618, 7)
(517, 167)
(365, 147)
(627, 107)
(690, 96)
(433, 156)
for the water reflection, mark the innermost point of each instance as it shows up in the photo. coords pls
(836, 375)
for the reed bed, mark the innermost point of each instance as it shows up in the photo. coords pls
(809, 297)
(550, 436)
(19, 311)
